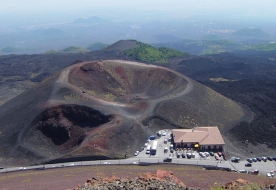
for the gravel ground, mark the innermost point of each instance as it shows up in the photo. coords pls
(71, 177)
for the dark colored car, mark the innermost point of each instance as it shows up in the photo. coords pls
(178, 155)
(183, 155)
(264, 159)
(141, 149)
(249, 160)
(259, 159)
(237, 160)
(211, 153)
(171, 150)
(269, 158)
(152, 137)
(254, 159)
(274, 158)
(167, 159)
(248, 164)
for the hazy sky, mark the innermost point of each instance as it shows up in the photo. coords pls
(250, 7)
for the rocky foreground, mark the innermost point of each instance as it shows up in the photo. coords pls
(161, 179)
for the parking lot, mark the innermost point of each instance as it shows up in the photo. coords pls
(163, 152)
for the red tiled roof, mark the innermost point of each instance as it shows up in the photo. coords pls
(201, 135)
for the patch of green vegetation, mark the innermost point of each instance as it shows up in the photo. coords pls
(71, 49)
(215, 49)
(51, 52)
(216, 46)
(74, 49)
(261, 47)
(97, 46)
(223, 43)
(146, 53)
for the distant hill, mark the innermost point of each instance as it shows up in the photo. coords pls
(97, 46)
(261, 47)
(251, 32)
(71, 49)
(147, 53)
(122, 45)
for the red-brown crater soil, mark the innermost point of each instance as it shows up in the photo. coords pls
(126, 82)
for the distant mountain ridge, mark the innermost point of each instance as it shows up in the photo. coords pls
(251, 32)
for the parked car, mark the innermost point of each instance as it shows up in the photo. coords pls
(165, 141)
(264, 159)
(248, 165)
(269, 158)
(193, 155)
(178, 155)
(249, 160)
(183, 155)
(164, 133)
(207, 154)
(165, 149)
(148, 152)
(169, 159)
(146, 144)
(189, 155)
(237, 160)
(136, 153)
(141, 149)
(254, 159)
(259, 159)
(219, 154)
(242, 171)
(152, 137)
(274, 158)
(211, 153)
(171, 150)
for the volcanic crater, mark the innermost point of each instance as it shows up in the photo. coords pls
(126, 82)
